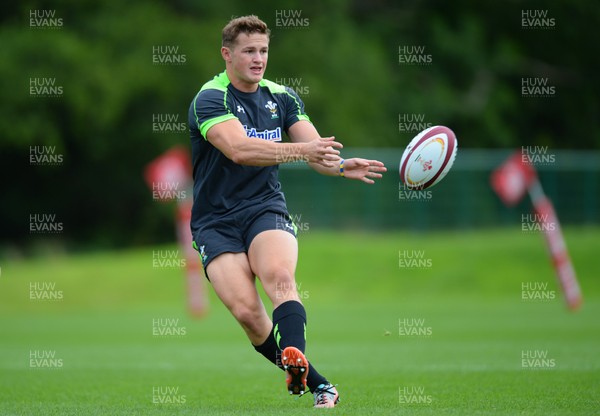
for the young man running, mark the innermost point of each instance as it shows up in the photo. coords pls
(240, 222)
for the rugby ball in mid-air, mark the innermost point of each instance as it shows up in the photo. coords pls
(428, 157)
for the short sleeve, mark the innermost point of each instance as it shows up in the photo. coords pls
(210, 108)
(294, 109)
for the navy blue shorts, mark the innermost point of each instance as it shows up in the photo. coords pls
(233, 234)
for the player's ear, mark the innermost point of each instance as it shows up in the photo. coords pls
(226, 54)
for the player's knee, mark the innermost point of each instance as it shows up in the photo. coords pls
(281, 276)
(247, 315)
(283, 285)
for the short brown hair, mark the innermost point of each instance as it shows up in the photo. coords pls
(245, 24)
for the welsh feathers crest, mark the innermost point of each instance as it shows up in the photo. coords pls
(272, 107)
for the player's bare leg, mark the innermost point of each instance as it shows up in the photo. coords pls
(234, 283)
(273, 256)
(277, 275)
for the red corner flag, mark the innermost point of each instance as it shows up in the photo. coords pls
(173, 167)
(169, 176)
(550, 225)
(511, 181)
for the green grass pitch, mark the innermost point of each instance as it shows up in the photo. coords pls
(452, 336)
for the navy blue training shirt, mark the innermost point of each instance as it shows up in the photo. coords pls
(222, 187)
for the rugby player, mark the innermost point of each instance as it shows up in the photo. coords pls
(240, 223)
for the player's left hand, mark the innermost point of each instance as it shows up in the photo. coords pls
(363, 169)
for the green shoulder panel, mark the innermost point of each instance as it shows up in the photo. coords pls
(272, 86)
(219, 82)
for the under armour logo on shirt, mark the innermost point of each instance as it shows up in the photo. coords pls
(240, 109)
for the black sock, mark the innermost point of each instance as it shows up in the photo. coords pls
(313, 379)
(270, 350)
(289, 320)
(272, 353)
(293, 314)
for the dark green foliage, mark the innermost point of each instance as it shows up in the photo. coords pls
(346, 57)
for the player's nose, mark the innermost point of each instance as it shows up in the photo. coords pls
(257, 57)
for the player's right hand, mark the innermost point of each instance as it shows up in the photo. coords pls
(323, 151)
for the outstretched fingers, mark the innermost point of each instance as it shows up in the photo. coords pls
(376, 166)
(373, 169)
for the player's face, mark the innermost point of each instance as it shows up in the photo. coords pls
(247, 60)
